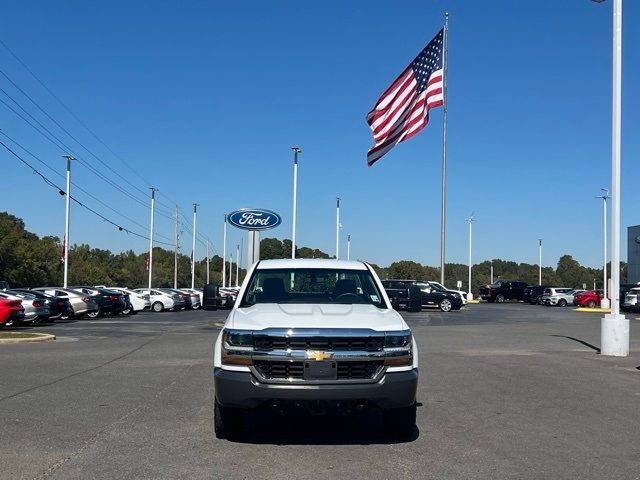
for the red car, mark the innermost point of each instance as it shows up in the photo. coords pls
(11, 312)
(590, 298)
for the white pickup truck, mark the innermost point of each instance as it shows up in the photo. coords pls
(318, 336)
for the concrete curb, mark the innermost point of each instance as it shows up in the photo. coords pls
(592, 310)
(38, 337)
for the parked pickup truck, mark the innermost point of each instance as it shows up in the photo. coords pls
(318, 336)
(432, 294)
(503, 290)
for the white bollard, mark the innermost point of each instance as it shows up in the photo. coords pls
(614, 334)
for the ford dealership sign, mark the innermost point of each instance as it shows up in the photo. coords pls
(254, 219)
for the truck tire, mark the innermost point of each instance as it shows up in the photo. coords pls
(227, 422)
(445, 305)
(400, 422)
(500, 298)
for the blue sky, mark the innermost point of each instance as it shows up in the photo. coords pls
(204, 100)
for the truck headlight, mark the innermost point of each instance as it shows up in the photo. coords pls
(397, 349)
(237, 347)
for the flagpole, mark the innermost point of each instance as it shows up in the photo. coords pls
(65, 243)
(443, 211)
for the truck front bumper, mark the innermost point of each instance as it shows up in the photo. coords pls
(243, 390)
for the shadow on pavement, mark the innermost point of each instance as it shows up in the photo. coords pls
(265, 427)
(582, 342)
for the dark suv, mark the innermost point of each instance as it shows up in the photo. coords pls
(398, 292)
(533, 294)
(503, 290)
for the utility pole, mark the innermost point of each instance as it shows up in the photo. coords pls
(337, 228)
(348, 247)
(207, 261)
(224, 254)
(193, 248)
(237, 264)
(66, 221)
(175, 254)
(470, 220)
(153, 205)
(296, 150)
(539, 261)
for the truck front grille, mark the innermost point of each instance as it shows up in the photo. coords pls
(347, 370)
(367, 344)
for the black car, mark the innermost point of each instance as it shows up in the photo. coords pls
(109, 302)
(58, 307)
(533, 294)
(399, 292)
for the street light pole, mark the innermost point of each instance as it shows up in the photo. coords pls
(348, 247)
(193, 248)
(66, 220)
(539, 261)
(614, 327)
(207, 261)
(150, 258)
(470, 220)
(337, 228)
(492, 272)
(175, 253)
(296, 150)
(604, 303)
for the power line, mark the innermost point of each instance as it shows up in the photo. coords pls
(62, 192)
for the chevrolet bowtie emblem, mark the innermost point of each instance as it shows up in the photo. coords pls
(319, 355)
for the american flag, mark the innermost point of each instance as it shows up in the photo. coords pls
(403, 110)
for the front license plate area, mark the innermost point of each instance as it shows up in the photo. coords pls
(320, 370)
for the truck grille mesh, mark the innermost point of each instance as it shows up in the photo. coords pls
(283, 370)
(368, 344)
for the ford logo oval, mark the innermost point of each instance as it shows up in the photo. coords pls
(254, 219)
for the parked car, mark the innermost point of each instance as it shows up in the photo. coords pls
(589, 298)
(630, 303)
(109, 302)
(558, 296)
(183, 300)
(58, 307)
(11, 312)
(135, 301)
(532, 294)
(36, 310)
(398, 292)
(80, 304)
(196, 303)
(439, 286)
(161, 300)
(194, 291)
(502, 290)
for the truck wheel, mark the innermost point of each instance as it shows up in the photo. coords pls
(227, 422)
(500, 299)
(445, 305)
(400, 422)
(591, 304)
(562, 303)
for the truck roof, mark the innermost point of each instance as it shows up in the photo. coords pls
(311, 263)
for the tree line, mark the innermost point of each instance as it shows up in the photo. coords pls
(27, 260)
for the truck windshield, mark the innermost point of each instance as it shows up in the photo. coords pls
(312, 285)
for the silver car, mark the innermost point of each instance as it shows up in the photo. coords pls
(196, 300)
(81, 304)
(35, 309)
(558, 296)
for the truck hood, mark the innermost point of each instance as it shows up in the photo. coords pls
(271, 315)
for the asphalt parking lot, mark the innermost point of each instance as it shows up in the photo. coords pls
(506, 391)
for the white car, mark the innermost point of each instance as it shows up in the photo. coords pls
(558, 296)
(314, 334)
(138, 302)
(160, 301)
